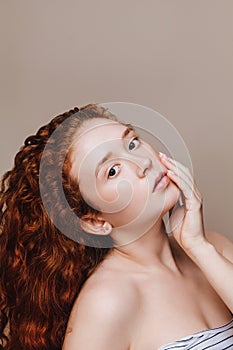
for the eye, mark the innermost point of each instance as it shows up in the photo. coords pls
(113, 171)
(134, 143)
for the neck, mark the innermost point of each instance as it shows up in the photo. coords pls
(151, 251)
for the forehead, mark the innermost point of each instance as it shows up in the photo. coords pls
(96, 132)
(94, 138)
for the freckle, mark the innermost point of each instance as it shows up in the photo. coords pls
(69, 330)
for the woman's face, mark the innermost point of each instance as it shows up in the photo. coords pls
(116, 172)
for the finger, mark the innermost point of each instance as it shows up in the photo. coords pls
(181, 183)
(174, 165)
(192, 197)
(181, 170)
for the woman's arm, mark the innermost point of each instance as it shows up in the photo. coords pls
(211, 252)
(217, 268)
(221, 243)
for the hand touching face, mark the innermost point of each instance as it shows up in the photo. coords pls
(117, 172)
(187, 223)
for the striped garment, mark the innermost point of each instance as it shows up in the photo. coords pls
(220, 338)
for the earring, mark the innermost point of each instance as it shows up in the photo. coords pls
(107, 229)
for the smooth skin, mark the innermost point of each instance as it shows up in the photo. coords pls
(158, 288)
(190, 235)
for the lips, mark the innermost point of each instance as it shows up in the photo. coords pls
(158, 179)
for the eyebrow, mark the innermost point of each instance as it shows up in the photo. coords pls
(128, 129)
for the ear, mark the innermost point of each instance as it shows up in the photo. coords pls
(95, 225)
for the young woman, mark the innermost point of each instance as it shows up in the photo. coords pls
(124, 284)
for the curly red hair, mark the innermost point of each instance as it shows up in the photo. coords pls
(41, 269)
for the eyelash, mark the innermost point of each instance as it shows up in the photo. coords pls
(133, 139)
(111, 169)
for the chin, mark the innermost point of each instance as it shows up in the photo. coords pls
(171, 197)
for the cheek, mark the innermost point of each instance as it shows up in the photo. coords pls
(140, 194)
(110, 197)
(115, 196)
(130, 205)
(108, 192)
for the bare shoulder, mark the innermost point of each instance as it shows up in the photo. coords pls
(113, 294)
(103, 312)
(222, 243)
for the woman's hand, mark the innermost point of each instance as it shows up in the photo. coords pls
(186, 222)
(188, 229)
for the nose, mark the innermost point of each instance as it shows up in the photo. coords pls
(143, 164)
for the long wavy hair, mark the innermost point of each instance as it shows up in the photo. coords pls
(42, 270)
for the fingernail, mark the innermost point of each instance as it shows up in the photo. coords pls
(170, 172)
(162, 155)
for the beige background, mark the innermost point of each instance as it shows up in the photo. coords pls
(174, 56)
